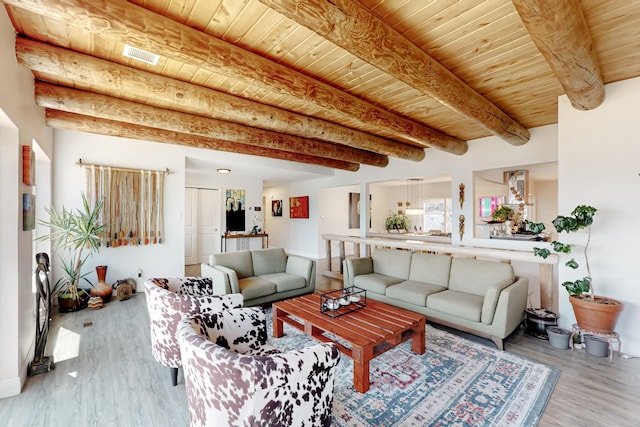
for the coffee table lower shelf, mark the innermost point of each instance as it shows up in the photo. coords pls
(369, 332)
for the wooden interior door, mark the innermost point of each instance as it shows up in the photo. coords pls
(207, 217)
(190, 224)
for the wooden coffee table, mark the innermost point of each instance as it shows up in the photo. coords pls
(370, 331)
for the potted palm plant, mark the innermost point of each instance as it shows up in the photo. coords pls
(76, 235)
(593, 312)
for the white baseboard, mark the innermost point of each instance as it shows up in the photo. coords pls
(11, 387)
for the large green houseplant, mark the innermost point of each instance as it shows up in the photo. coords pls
(75, 234)
(397, 221)
(593, 313)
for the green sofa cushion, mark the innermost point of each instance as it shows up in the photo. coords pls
(460, 304)
(268, 261)
(430, 268)
(413, 292)
(299, 266)
(255, 287)
(477, 276)
(285, 282)
(240, 262)
(392, 262)
(375, 282)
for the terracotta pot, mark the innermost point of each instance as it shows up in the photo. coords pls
(101, 271)
(596, 316)
(102, 289)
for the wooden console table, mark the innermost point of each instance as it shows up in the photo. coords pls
(225, 237)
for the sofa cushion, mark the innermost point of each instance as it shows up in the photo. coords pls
(267, 261)
(413, 292)
(299, 266)
(460, 304)
(430, 268)
(240, 262)
(256, 287)
(375, 282)
(477, 277)
(392, 262)
(285, 282)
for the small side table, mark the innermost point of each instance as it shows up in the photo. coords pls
(610, 338)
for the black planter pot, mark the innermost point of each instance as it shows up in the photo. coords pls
(537, 320)
(69, 305)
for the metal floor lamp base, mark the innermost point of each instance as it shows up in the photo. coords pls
(46, 365)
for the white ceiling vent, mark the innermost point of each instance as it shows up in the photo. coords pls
(140, 55)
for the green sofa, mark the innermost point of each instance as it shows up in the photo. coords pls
(261, 276)
(484, 298)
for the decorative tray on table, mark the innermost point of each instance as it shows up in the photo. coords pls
(342, 301)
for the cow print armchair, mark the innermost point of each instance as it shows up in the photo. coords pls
(234, 377)
(169, 300)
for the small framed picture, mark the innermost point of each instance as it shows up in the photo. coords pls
(276, 208)
(28, 212)
(299, 207)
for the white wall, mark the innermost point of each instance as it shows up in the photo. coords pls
(333, 204)
(21, 122)
(165, 259)
(598, 165)
(236, 181)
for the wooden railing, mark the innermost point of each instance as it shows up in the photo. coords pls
(547, 299)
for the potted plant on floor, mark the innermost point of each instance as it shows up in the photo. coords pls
(76, 234)
(593, 312)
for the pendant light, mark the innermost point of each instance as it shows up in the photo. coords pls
(414, 197)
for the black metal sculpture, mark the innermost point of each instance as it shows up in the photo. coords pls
(42, 363)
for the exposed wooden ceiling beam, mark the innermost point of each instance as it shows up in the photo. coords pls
(77, 122)
(98, 75)
(560, 32)
(353, 27)
(106, 107)
(147, 30)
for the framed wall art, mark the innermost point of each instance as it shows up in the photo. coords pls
(28, 212)
(299, 207)
(28, 165)
(354, 210)
(276, 208)
(235, 210)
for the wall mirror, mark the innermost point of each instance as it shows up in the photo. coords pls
(530, 191)
(426, 202)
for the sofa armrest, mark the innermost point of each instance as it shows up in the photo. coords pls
(491, 297)
(354, 267)
(220, 279)
(302, 267)
(510, 308)
(232, 277)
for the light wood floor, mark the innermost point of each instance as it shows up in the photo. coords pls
(106, 376)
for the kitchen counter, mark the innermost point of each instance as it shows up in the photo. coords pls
(520, 236)
(412, 236)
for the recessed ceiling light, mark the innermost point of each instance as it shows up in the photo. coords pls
(224, 170)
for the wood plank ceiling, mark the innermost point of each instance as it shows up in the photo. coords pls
(333, 83)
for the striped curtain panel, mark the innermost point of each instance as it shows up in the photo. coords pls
(133, 204)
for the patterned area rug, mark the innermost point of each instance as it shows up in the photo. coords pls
(457, 382)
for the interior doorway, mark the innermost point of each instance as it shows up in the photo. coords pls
(202, 224)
